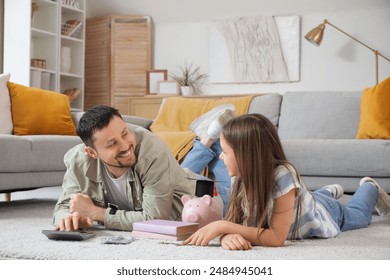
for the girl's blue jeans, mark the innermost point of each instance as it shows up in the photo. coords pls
(200, 157)
(357, 213)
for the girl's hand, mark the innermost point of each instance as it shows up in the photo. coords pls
(204, 235)
(235, 241)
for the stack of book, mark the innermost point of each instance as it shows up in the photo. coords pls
(164, 229)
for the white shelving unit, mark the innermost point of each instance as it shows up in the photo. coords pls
(33, 30)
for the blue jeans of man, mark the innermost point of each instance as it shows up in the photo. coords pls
(200, 157)
(357, 213)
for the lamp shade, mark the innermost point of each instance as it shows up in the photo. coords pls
(315, 35)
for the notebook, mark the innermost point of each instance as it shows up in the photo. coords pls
(166, 227)
(152, 235)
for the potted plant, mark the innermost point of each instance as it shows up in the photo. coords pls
(190, 79)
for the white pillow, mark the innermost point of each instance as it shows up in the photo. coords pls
(6, 125)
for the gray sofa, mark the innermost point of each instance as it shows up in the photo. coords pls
(33, 161)
(317, 130)
(36, 161)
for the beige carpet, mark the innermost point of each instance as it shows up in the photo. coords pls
(21, 223)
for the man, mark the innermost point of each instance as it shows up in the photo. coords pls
(121, 174)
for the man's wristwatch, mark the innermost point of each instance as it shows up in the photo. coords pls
(113, 208)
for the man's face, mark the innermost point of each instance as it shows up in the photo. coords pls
(115, 146)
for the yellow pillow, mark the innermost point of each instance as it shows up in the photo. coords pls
(37, 111)
(375, 112)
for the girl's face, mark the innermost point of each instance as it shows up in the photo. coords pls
(228, 157)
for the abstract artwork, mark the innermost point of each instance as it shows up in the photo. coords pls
(261, 49)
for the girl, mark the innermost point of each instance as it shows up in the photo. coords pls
(270, 203)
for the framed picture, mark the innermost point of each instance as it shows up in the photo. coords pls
(152, 79)
(168, 87)
(270, 58)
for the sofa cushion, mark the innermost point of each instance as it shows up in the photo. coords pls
(341, 157)
(267, 105)
(375, 112)
(5, 106)
(35, 153)
(37, 111)
(319, 115)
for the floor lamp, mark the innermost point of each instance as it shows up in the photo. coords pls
(315, 35)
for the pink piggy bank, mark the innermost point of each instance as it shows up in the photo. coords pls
(202, 210)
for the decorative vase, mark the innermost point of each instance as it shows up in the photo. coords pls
(186, 90)
(66, 59)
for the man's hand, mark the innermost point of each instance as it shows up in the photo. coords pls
(84, 205)
(74, 221)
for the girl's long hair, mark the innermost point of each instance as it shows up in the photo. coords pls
(258, 151)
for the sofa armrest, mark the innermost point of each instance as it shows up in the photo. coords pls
(144, 122)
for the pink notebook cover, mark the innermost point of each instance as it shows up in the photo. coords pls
(166, 227)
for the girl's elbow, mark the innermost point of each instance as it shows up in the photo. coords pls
(277, 243)
(271, 242)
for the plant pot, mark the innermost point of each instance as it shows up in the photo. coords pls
(186, 90)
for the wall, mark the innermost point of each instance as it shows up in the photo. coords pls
(181, 34)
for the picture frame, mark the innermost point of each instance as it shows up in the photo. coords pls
(169, 87)
(152, 79)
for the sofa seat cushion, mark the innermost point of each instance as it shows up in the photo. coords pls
(6, 125)
(39, 112)
(339, 157)
(34, 153)
(375, 113)
(267, 105)
(320, 115)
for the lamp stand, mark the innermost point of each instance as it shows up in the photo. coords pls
(315, 37)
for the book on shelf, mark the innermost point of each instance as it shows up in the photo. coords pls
(153, 235)
(166, 227)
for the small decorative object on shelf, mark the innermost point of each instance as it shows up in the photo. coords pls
(72, 93)
(190, 80)
(66, 59)
(38, 63)
(168, 87)
(71, 3)
(34, 9)
(71, 28)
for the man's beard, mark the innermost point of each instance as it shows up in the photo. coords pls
(117, 166)
(120, 165)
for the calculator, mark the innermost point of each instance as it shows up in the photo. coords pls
(77, 235)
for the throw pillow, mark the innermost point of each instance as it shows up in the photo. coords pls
(37, 111)
(375, 112)
(5, 106)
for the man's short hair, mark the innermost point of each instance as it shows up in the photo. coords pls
(95, 119)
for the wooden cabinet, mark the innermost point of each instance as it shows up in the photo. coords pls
(146, 107)
(34, 36)
(118, 53)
